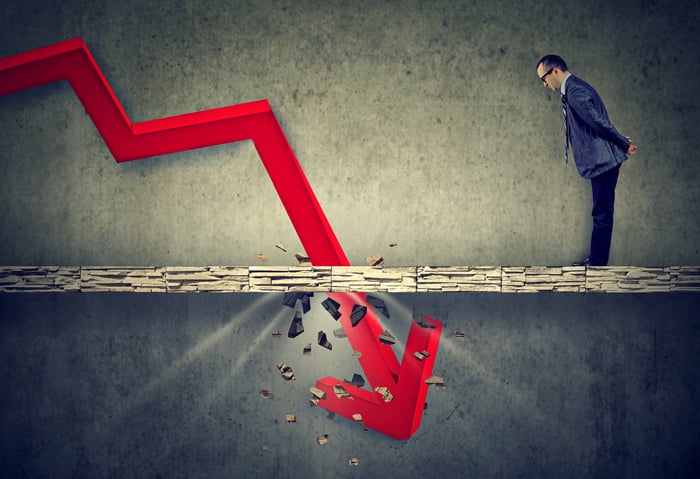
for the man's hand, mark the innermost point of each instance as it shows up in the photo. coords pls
(633, 148)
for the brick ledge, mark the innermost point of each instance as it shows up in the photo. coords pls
(409, 279)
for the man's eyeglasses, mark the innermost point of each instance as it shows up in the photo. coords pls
(543, 77)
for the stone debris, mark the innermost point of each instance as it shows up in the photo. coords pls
(358, 312)
(286, 371)
(356, 354)
(322, 439)
(435, 380)
(459, 334)
(418, 318)
(323, 341)
(357, 417)
(277, 334)
(354, 461)
(317, 392)
(421, 355)
(264, 447)
(339, 333)
(357, 380)
(297, 326)
(332, 307)
(281, 246)
(375, 260)
(384, 391)
(340, 392)
(303, 260)
(307, 350)
(261, 257)
(392, 245)
(265, 394)
(290, 300)
(387, 338)
(290, 417)
(378, 304)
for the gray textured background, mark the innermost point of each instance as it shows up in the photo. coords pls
(549, 385)
(420, 123)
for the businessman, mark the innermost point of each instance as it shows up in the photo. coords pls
(598, 148)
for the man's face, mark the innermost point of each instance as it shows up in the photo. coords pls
(549, 77)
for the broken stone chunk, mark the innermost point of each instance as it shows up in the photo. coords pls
(340, 392)
(264, 447)
(387, 338)
(354, 461)
(307, 350)
(261, 257)
(313, 402)
(384, 391)
(378, 304)
(459, 335)
(265, 394)
(358, 419)
(286, 371)
(356, 354)
(321, 440)
(339, 333)
(421, 355)
(436, 380)
(391, 245)
(290, 417)
(317, 392)
(357, 380)
(418, 318)
(375, 260)
(358, 312)
(297, 326)
(332, 308)
(323, 341)
(303, 260)
(290, 300)
(281, 246)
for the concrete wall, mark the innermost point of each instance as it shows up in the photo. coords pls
(558, 385)
(419, 123)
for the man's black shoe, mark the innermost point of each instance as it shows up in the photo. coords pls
(585, 262)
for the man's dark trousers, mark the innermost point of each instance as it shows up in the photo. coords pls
(603, 188)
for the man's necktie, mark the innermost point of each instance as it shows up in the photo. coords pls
(566, 127)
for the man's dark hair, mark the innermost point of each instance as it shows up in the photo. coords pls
(553, 61)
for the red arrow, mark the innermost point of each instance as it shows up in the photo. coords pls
(400, 417)
(71, 60)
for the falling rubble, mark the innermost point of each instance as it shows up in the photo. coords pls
(265, 394)
(323, 341)
(358, 312)
(286, 371)
(340, 392)
(297, 326)
(387, 338)
(378, 304)
(332, 307)
(384, 391)
(290, 300)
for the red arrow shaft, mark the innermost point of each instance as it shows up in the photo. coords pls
(72, 61)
